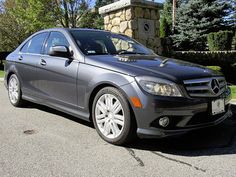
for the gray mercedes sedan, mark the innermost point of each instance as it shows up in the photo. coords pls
(112, 80)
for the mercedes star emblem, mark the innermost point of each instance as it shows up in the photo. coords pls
(215, 86)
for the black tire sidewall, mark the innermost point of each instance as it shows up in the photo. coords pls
(124, 136)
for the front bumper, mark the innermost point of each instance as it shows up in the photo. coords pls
(158, 132)
(185, 113)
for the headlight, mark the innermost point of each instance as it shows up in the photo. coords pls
(159, 86)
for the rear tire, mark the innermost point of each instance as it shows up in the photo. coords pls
(112, 116)
(14, 91)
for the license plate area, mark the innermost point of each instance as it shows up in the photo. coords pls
(217, 106)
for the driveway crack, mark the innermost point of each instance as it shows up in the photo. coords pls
(132, 153)
(178, 161)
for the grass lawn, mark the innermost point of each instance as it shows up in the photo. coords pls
(1, 74)
(233, 90)
(216, 68)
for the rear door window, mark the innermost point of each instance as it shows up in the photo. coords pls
(35, 44)
(24, 49)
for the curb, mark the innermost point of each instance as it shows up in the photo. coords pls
(1, 79)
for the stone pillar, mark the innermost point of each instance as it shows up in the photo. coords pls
(138, 19)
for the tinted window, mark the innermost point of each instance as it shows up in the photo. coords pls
(25, 47)
(105, 43)
(36, 43)
(56, 39)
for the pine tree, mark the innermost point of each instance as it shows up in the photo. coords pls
(196, 19)
(232, 14)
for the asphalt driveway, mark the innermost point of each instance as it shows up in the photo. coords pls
(40, 142)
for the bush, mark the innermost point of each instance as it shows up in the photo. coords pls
(207, 58)
(166, 44)
(226, 60)
(219, 41)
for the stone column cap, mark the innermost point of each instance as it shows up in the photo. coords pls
(126, 3)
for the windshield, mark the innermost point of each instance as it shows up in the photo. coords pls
(106, 43)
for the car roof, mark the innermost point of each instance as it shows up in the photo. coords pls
(73, 29)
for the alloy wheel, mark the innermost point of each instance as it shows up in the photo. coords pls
(13, 89)
(109, 115)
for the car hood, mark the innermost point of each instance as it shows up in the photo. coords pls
(157, 66)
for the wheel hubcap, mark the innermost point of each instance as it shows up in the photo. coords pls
(109, 116)
(13, 90)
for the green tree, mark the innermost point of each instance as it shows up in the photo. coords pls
(165, 28)
(232, 12)
(33, 14)
(99, 21)
(19, 19)
(166, 17)
(92, 19)
(11, 33)
(196, 19)
(69, 12)
(100, 3)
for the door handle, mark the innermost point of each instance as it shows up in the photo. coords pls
(20, 58)
(43, 62)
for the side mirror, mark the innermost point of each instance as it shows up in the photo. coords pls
(60, 51)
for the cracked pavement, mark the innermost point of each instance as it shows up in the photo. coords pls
(41, 142)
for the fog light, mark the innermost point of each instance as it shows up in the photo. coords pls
(164, 121)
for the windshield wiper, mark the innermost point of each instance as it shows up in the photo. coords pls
(98, 53)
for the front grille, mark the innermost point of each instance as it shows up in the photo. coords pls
(203, 87)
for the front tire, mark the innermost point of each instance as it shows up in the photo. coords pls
(112, 117)
(14, 91)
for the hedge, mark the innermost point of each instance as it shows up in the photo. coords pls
(207, 57)
(221, 40)
(225, 59)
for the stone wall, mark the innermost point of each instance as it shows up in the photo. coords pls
(137, 21)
